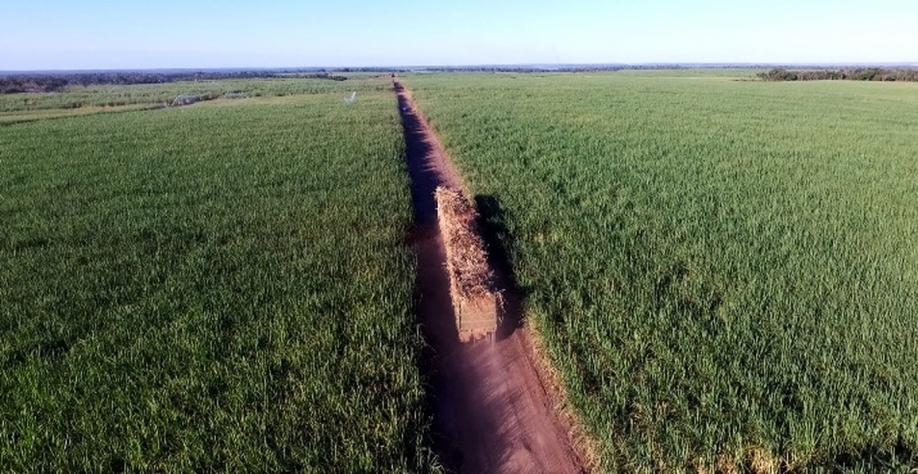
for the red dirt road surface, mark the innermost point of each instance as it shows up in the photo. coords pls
(493, 409)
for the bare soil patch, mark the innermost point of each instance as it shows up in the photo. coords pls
(494, 410)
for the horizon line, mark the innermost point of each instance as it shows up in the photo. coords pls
(542, 66)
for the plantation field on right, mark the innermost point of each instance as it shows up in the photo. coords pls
(724, 271)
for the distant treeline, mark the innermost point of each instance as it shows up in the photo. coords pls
(859, 74)
(54, 82)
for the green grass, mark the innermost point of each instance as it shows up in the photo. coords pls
(725, 73)
(221, 287)
(726, 273)
(76, 97)
(23, 116)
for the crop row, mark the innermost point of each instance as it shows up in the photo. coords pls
(224, 287)
(73, 97)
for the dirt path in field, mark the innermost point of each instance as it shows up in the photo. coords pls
(494, 411)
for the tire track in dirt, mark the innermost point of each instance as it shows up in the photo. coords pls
(493, 409)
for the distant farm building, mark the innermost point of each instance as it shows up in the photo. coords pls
(185, 99)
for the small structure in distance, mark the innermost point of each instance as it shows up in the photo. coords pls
(185, 99)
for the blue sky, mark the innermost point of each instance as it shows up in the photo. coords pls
(107, 34)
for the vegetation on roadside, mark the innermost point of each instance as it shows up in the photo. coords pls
(224, 287)
(725, 272)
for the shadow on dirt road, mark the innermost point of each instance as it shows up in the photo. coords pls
(491, 410)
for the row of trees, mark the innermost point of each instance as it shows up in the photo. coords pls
(855, 74)
(54, 82)
(16, 84)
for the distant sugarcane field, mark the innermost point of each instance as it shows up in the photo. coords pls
(723, 265)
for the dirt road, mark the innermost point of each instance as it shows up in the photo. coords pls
(493, 410)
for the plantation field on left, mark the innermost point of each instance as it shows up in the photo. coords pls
(223, 287)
